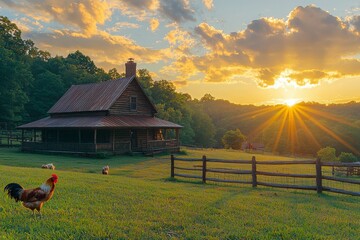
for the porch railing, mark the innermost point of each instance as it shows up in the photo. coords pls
(117, 147)
(60, 147)
(154, 145)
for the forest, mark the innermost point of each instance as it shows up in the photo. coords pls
(32, 81)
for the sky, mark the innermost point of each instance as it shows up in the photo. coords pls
(247, 52)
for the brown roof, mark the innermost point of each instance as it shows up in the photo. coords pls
(92, 97)
(100, 122)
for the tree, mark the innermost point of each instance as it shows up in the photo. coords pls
(82, 62)
(15, 77)
(146, 81)
(233, 139)
(10, 37)
(327, 154)
(80, 69)
(207, 98)
(15, 74)
(164, 92)
(203, 128)
(113, 74)
(347, 157)
(46, 90)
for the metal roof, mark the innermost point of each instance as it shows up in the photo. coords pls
(91, 97)
(100, 122)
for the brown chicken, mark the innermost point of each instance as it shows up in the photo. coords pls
(33, 198)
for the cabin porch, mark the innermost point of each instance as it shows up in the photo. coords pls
(116, 141)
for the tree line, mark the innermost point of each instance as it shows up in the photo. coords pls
(32, 81)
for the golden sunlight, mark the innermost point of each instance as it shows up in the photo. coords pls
(295, 121)
(290, 102)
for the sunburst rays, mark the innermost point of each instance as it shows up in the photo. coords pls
(290, 119)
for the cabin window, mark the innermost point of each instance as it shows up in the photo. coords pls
(133, 103)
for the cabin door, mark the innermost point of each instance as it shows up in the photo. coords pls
(133, 139)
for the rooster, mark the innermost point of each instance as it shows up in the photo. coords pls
(33, 198)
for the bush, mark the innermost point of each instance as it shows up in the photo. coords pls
(233, 139)
(347, 157)
(327, 154)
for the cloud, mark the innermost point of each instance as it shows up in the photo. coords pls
(142, 4)
(139, 9)
(122, 25)
(309, 46)
(175, 10)
(355, 21)
(180, 41)
(83, 15)
(208, 4)
(154, 24)
(114, 50)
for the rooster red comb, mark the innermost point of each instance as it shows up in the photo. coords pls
(55, 177)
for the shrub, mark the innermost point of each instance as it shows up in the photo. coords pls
(327, 154)
(347, 157)
(233, 139)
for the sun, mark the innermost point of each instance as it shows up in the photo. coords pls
(290, 102)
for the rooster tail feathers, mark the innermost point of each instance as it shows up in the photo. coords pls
(14, 190)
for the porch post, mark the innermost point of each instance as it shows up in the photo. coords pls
(79, 135)
(95, 139)
(34, 135)
(113, 140)
(147, 139)
(57, 135)
(177, 137)
(22, 139)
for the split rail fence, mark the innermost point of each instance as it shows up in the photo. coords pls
(10, 138)
(316, 175)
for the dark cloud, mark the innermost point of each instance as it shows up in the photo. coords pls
(308, 77)
(355, 21)
(177, 10)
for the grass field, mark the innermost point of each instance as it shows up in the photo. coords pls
(138, 201)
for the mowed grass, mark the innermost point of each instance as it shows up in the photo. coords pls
(138, 201)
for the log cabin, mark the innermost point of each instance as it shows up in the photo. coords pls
(114, 116)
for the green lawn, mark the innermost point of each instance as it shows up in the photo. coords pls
(137, 201)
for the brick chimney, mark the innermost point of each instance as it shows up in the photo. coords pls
(130, 68)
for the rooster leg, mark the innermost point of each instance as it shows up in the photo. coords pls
(38, 208)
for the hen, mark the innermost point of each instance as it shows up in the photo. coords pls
(33, 198)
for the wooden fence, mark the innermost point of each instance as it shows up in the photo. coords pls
(11, 138)
(316, 175)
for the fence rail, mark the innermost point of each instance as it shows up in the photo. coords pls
(317, 184)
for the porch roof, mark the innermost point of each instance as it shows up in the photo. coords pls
(100, 122)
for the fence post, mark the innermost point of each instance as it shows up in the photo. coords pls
(204, 169)
(318, 176)
(172, 166)
(253, 169)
